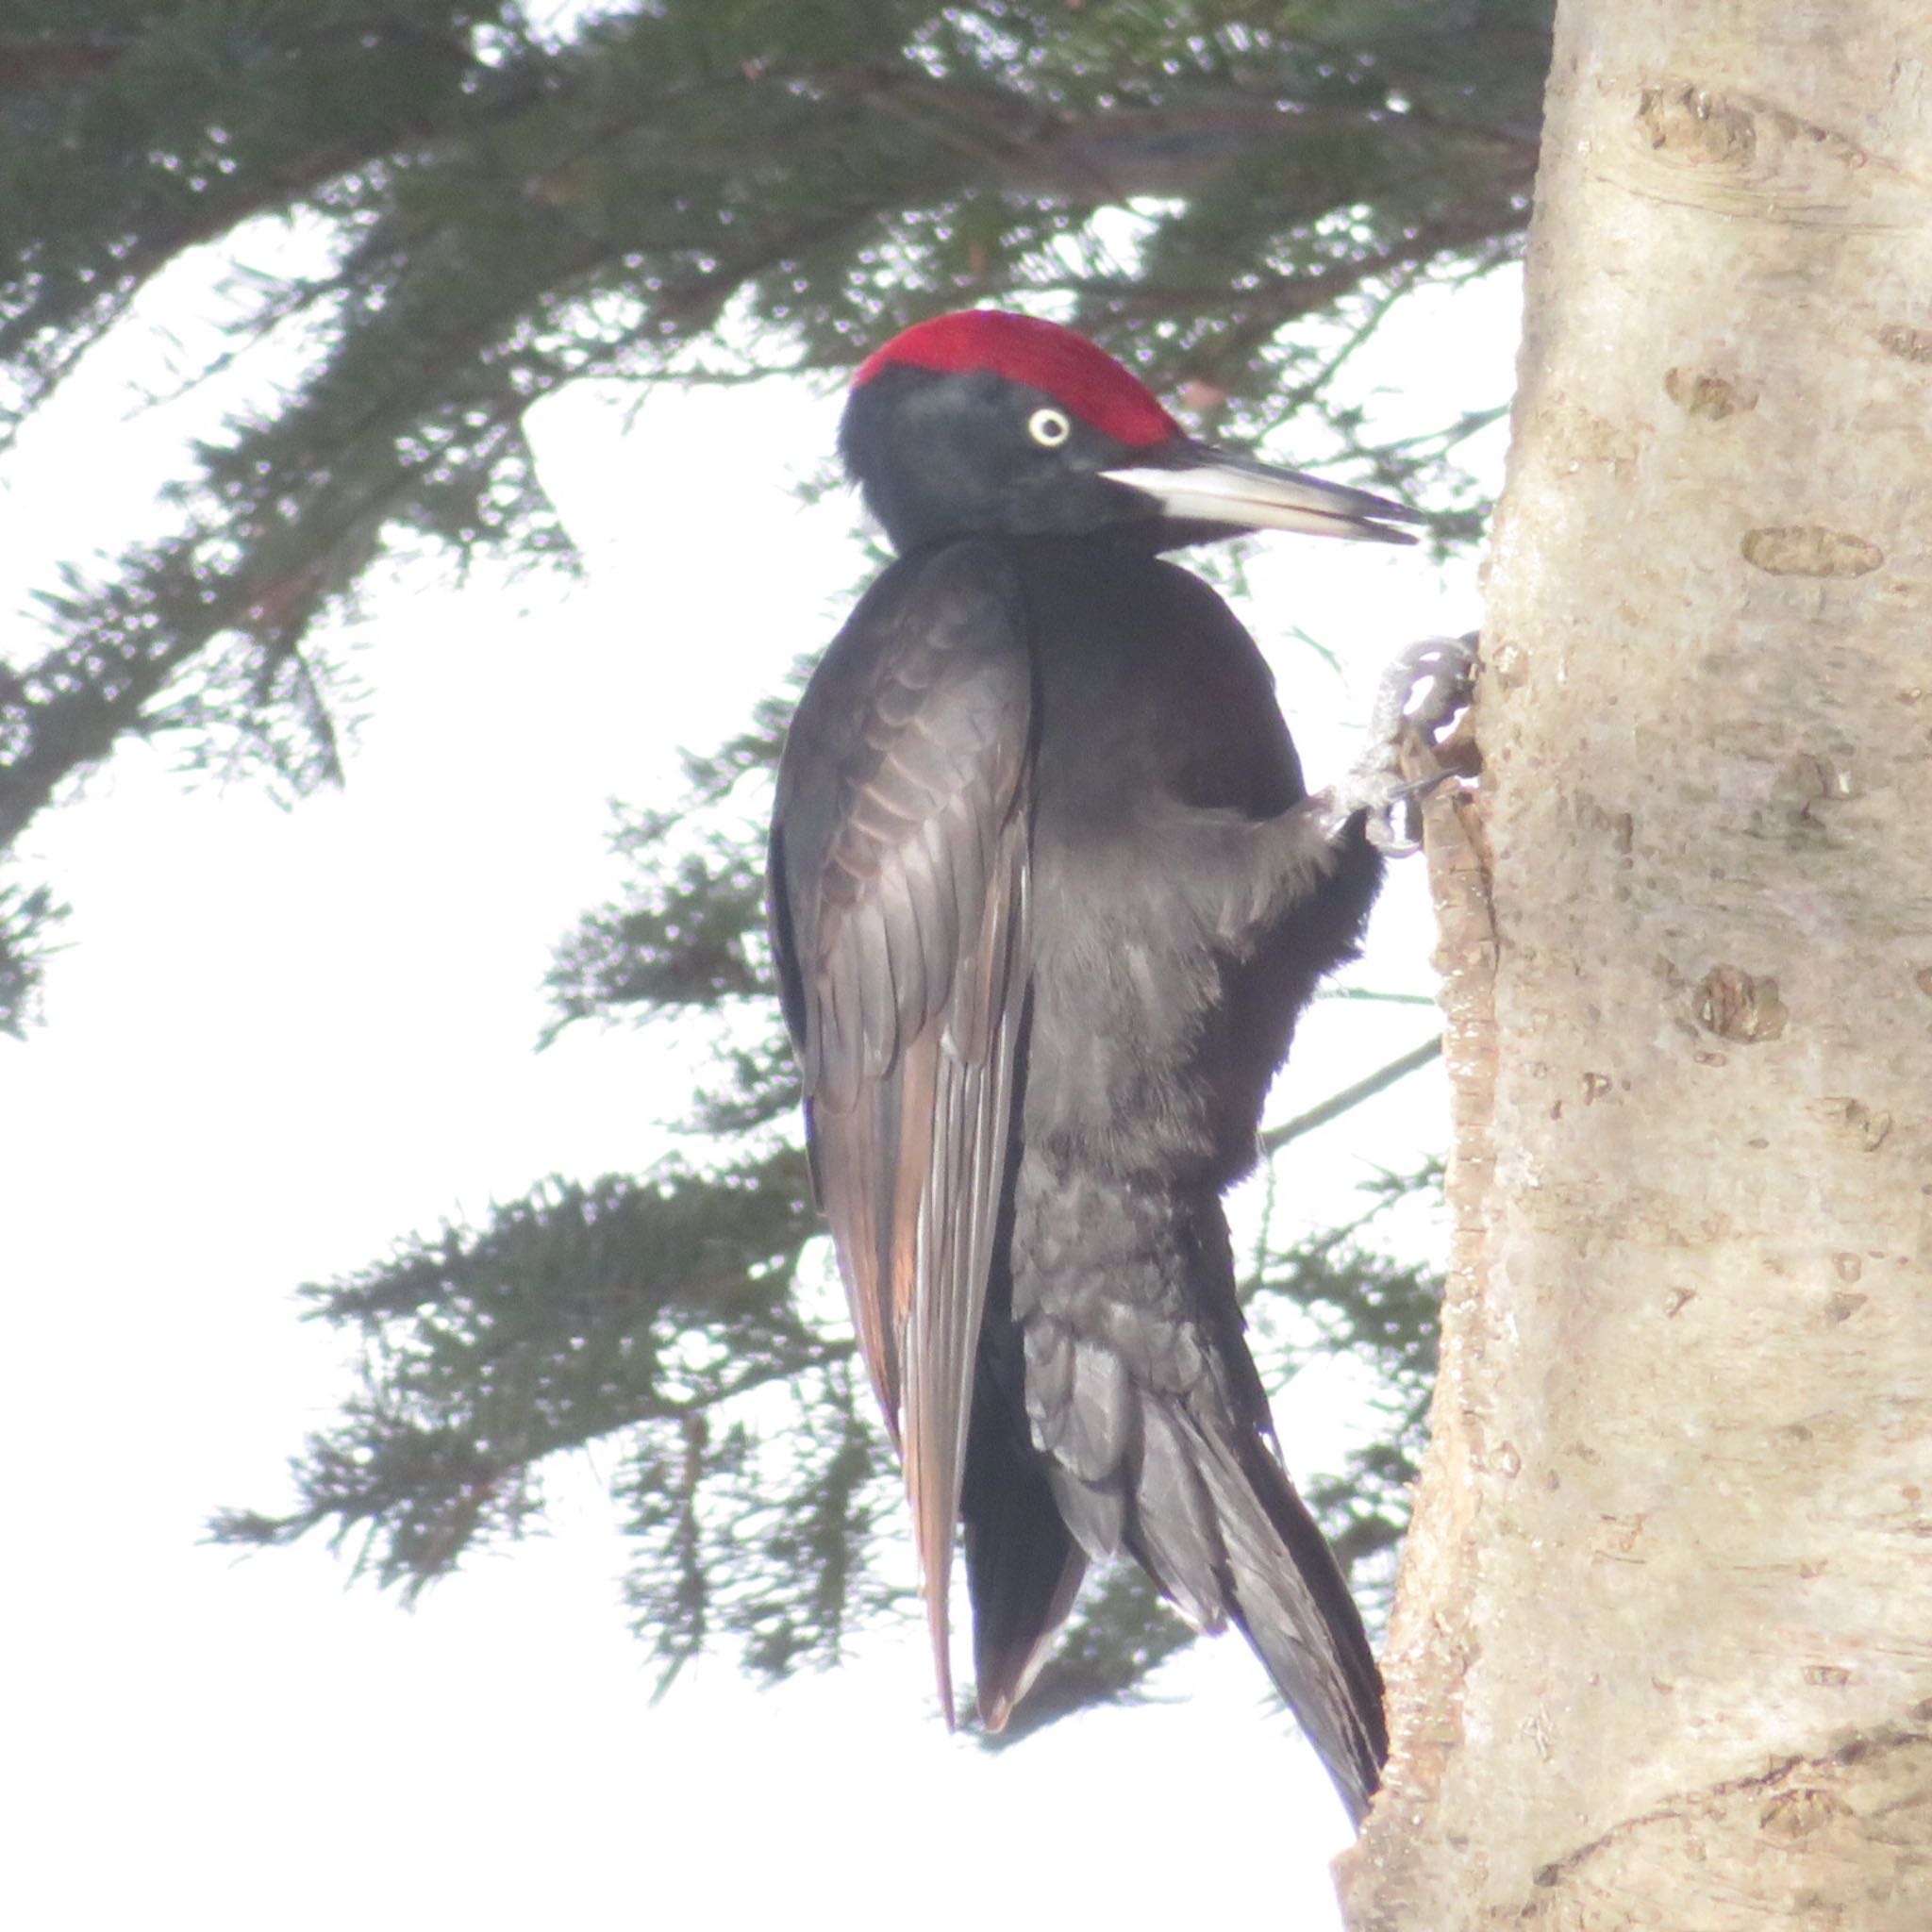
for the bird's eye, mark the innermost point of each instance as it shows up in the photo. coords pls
(1049, 428)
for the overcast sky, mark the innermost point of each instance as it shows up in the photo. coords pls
(277, 1040)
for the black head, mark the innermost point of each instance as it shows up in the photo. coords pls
(988, 423)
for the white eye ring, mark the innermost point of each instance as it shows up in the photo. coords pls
(1049, 428)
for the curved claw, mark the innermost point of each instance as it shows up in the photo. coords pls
(1395, 827)
(1422, 689)
(1425, 686)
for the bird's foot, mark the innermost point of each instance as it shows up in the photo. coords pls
(1420, 692)
(1423, 686)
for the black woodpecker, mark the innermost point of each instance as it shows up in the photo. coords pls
(1047, 895)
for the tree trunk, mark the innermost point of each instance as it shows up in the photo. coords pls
(1663, 1651)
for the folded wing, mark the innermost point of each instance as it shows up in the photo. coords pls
(899, 883)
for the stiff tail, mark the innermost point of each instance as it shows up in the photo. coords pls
(1217, 1523)
(1147, 1419)
(1290, 1600)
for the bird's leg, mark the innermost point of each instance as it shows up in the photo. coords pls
(1246, 874)
(1422, 689)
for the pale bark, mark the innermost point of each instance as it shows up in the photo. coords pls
(1663, 1650)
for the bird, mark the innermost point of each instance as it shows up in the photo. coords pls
(1047, 895)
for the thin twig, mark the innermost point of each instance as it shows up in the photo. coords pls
(1275, 1138)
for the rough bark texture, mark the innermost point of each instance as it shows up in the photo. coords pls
(1663, 1654)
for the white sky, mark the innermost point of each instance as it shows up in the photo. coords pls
(276, 1041)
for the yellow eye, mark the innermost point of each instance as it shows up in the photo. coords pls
(1049, 428)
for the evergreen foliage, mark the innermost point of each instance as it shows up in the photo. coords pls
(690, 190)
(501, 210)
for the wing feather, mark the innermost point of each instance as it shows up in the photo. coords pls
(900, 855)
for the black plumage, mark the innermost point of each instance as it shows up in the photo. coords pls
(1048, 894)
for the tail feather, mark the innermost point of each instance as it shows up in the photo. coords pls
(1146, 1422)
(1173, 1519)
(1287, 1595)
(1215, 1521)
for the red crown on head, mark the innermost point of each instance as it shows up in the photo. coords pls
(1060, 362)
